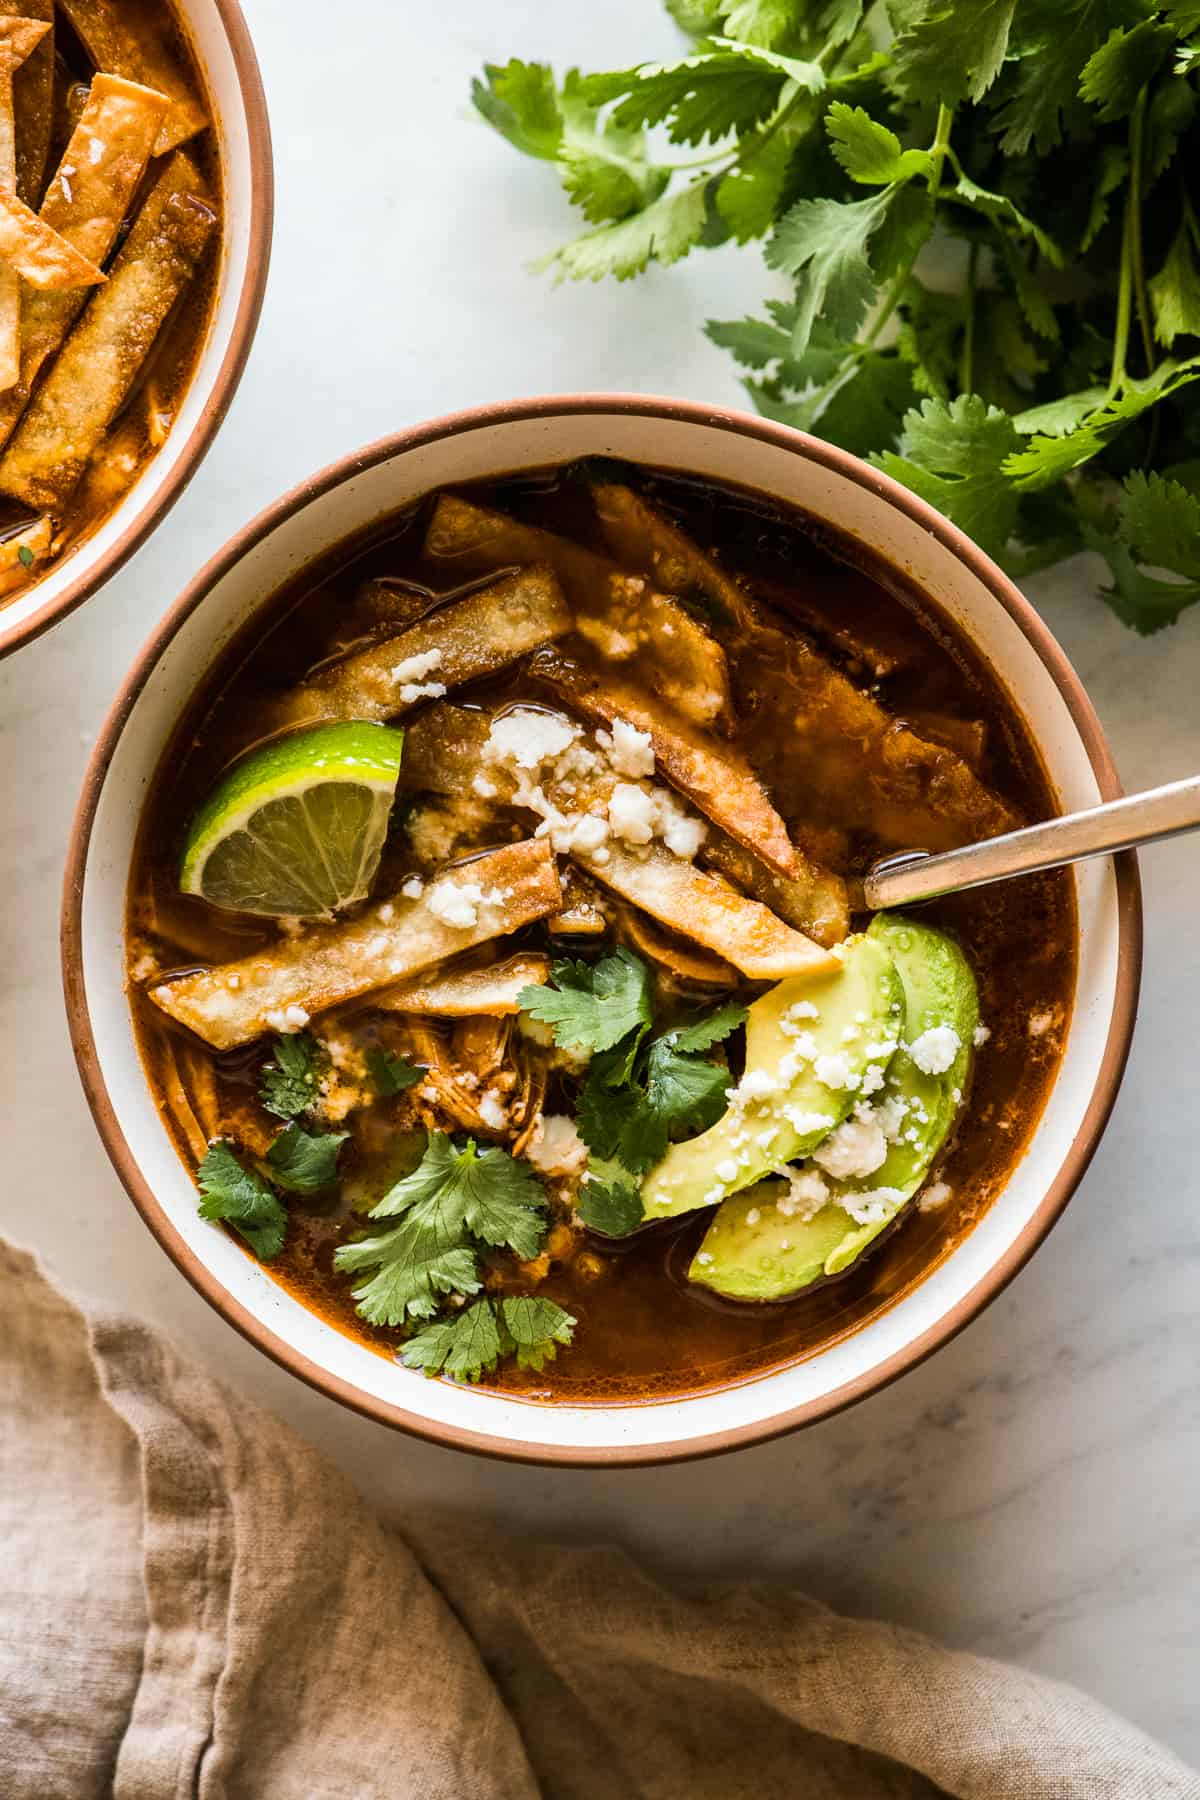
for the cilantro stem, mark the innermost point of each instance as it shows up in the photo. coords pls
(1116, 374)
(940, 146)
(1134, 223)
(966, 364)
(938, 151)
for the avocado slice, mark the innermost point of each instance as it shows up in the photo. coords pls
(752, 1251)
(854, 1014)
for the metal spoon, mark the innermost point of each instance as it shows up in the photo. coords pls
(914, 875)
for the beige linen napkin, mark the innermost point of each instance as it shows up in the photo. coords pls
(194, 1605)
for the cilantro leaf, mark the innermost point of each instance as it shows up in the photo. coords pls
(303, 1162)
(289, 1081)
(463, 1347)
(823, 243)
(953, 453)
(485, 1192)
(592, 1006)
(1112, 172)
(748, 197)
(471, 1343)
(723, 88)
(611, 1206)
(712, 1029)
(1046, 458)
(242, 1199)
(868, 151)
(1161, 520)
(414, 1266)
(682, 1090)
(696, 17)
(1116, 73)
(662, 232)
(392, 1073)
(1041, 84)
(535, 1327)
(860, 408)
(1175, 291)
(1002, 210)
(602, 1110)
(945, 50)
(520, 101)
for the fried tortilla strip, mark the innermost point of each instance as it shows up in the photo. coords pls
(79, 398)
(670, 954)
(38, 253)
(21, 554)
(274, 989)
(814, 902)
(470, 637)
(713, 776)
(639, 535)
(33, 98)
(801, 711)
(966, 737)
(443, 748)
(613, 610)
(110, 474)
(888, 643)
(582, 913)
(741, 930)
(85, 203)
(468, 993)
(19, 37)
(444, 751)
(140, 55)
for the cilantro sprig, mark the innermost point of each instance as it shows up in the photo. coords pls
(639, 1090)
(1042, 401)
(241, 1198)
(290, 1083)
(471, 1342)
(457, 1201)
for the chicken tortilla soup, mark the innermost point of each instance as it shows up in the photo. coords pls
(496, 953)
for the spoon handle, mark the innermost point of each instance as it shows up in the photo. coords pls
(1161, 812)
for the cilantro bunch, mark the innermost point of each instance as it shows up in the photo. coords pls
(639, 1090)
(1045, 153)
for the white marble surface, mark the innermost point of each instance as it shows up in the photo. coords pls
(1032, 1491)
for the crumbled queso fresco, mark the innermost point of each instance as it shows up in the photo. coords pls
(556, 1148)
(935, 1050)
(545, 751)
(286, 1019)
(457, 903)
(409, 677)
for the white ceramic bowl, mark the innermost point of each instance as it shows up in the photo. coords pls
(222, 47)
(339, 503)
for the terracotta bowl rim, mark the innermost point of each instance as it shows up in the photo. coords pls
(947, 1326)
(94, 574)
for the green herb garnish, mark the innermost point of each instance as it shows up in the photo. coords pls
(392, 1073)
(242, 1199)
(1040, 402)
(471, 1343)
(290, 1080)
(303, 1162)
(592, 1006)
(638, 1091)
(453, 1202)
(25, 556)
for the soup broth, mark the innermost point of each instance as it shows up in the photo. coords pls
(939, 755)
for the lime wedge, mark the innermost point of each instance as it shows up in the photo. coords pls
(297, 827)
